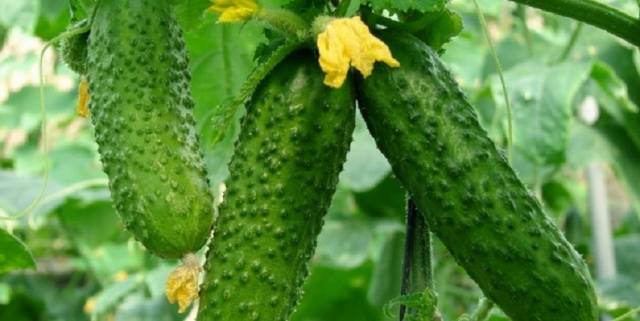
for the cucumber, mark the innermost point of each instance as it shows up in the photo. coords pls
(74, 49)
(294, 140)
(142, 111)
(470, 196)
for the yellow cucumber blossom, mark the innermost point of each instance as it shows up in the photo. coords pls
(82, 109)
(348, 42)
(182, 283)
(234, 10)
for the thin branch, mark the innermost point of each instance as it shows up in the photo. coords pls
(572, 41)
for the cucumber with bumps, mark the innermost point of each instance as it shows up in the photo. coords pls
(471, 197)
(293, 143)
(74, 49)
(142, 111)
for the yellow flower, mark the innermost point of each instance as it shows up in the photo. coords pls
(348, 42)
(234, 10)
(89, 305)
(82, 109)
(182, 283)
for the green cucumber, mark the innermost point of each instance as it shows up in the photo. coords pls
(293, 143)
(472, 199)
(142, 111)
(74, 49)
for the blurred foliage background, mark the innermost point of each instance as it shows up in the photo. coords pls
(575, 95)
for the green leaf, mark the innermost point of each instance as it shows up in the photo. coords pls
(466, 58)
(441, 27)
(343, 243)
(138, 307)
(337, 295)
(542, 96)
(221, 57)
(619, 292)
(156, 279)
(110, 296)
(111, 259)
(404, 5)
(18, 191)
(365, 166)
(622, 153)
(191, 13)
(387, 199)
(557, 197)
(612, 95)
(387, 273)
(22, 14)
(91, 224)
(5, 293)
(53, 19)
(627, 251)
(14, 255)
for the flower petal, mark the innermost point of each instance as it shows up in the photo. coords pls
(348, 42)
(82, 108)
(234, 10)
(182, 283)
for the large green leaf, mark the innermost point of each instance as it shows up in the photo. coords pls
(13, 254)
(542, 96)
(612, 95)
(221, 58)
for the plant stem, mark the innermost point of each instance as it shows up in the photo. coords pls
(416, 266)
(483, 310)
(572, 41)
(503, 83)
(591, 12)
(285, 21)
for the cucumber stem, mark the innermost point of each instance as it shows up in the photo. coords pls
(416, 266)
(284, 21)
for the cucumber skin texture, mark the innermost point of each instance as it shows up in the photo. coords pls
(142, 112)
(470, 196)
(74, 50)
(293, 143)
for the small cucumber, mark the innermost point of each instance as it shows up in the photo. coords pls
(472, 199)
(293, 143)
(74, 49)
(142, 111)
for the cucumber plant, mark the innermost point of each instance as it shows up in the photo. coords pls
(300, 109)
